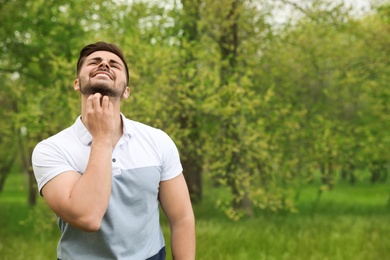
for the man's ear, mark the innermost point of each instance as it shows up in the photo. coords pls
(126, 93)
(76, 85)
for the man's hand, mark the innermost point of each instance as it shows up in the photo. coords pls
(99, 116)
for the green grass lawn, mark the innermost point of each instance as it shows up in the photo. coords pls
(349, 222)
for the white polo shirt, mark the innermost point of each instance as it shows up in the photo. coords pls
(143, 157)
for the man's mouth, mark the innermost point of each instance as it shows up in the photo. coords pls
(102, 73)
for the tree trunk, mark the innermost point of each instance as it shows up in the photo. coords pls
(193, 175)
(3, 176)
(228, 43)
(4, 171)
(191, 160)
(26, 154)
(32, 188)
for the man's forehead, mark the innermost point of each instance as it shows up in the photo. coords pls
(104, 55)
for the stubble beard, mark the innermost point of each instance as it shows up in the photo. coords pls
(100, 87)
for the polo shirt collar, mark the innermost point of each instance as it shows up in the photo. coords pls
(128, 128)
(86, 138)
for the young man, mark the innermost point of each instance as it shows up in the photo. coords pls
(105, 175)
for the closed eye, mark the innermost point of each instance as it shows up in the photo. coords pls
(113, 63)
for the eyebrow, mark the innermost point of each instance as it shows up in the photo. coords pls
(99, 59)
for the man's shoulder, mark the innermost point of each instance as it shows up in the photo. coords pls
(138, 127)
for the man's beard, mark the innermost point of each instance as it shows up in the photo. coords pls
(101, 88)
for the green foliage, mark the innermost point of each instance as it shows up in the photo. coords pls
(41, 222)
(257, 108)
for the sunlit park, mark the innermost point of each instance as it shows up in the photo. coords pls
(279, 109)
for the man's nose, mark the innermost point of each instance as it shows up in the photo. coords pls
(104, 64)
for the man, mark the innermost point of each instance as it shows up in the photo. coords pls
(105, 176)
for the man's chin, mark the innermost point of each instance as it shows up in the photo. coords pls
(102, 90)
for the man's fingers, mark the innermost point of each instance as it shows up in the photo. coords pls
(98, 103)
(99, 118)
(105, 102)
(96, 100)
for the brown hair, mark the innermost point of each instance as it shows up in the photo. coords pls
(101, 46)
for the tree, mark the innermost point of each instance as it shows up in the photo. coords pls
(7, 135)
(39, 43)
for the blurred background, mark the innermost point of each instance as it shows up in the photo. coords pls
(279, 110)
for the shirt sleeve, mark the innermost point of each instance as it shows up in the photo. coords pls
(47, 163)
(171, 165)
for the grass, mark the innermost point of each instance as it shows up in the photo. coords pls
(19, 238)
(349, 222)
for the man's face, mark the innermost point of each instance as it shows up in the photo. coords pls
(102, 72)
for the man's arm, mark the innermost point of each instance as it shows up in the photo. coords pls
(176, 204)
(82, 200)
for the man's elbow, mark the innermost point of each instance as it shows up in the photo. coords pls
(92, 227)
(187, 221)
(87, 224)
